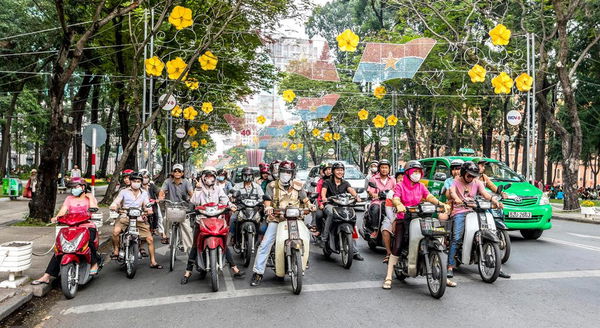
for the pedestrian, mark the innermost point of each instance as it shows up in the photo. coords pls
(75, 172)
(31, 186)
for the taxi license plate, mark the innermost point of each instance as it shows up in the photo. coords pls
(519, 215)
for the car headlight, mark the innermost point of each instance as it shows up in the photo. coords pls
(544, 200)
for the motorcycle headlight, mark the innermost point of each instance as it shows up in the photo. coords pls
(544, 200)
(70, 246)
(135, 212)
(292, 212)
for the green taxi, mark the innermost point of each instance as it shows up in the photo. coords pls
(527, 209)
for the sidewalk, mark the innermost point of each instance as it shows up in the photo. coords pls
(559, 214)
(43, 240)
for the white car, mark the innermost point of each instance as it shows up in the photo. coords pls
(352, 175)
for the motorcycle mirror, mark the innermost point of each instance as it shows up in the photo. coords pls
(93, 209)
(506, 186)
(372, 184)
(314, 184)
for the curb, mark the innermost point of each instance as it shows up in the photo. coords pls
(14, 303)
(575, 220)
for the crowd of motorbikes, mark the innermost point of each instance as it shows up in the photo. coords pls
(486, 242)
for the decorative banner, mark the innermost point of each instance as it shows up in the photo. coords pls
(513, 117)
(254, 156)
(321, 69)
(384, 61)
(313, 108)
(237, 123)
(276, 129)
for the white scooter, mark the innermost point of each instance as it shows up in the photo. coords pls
(292, 246)
(480, 241)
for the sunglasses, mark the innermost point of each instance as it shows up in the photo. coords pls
(471, 176)
(177, 171)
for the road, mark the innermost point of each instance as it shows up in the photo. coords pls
(555, 283)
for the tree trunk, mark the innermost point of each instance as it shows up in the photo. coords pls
(487, 129)
(585, 169)
(4, 149)
(77, 111)
(93, 119)
(506, 133)
(541, 145)
(107, 144)
(518, 145)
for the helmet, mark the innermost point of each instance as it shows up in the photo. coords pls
(383, 162)
(274, 168)
(469, 168)
(324, 166)
(262, 164)
(413, 165)
(338, 165)
(126, 172)
(456, 163)
(221, 172)
(287, 166)
(399, 172)
(374, 162)
(177, 167)
(247, 174)
(264, 169)
(206, 172)
(478, 160)
(144, 173)
(77, 182)
(135, 176)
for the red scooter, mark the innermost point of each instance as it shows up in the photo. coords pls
(72, 248)
(211, 241)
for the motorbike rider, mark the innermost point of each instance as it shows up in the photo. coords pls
(223, 181)
(325, 174)
(409, 192)
(281, 193)
(177, 189)
(133, 196)
(336, 185)
(455, 166)
(78, 202)
(373, 167)
(464, 189)
(208, 191)
(383, 182)
(265, 177)
(152, 190)
(274, 169)
(247, 188)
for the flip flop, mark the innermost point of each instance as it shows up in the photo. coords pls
(114, 257)
(164, 241)
(156, 266)
(39, 282)
(386, 259)
(94, 272)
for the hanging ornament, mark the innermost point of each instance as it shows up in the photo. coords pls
(316, 132)
(337, 136)
(289, 96)
(203, 142)
(207, 107)
(392, 120)
(154, 66)
(175, 68)
(261, 120)
(524, 82)
(347, 41)
(194, 144)
(379, 92)
(176, 112)
(500, 35)
(190, 113)
(379, 121)
(192, 83)
(204, 127)
(181, 17)
(208, 61)
(192, 132)
(327, 136)
(292, 133)
(502, 83)
(477, 73)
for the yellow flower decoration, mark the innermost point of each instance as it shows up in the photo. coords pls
(300, 145)
(176, 111)
(261, 120)
(181, 17)
(379, 121)
(363, 114)
(392, 120)
(500, 35)
(293, 147)
(207, 107)
(204, 127)
(203, 142)
(289, 96)
(524, 82)
(327, 118)
(192, 132)
(208, 61)
(194, 144)
(347, 41)
(292, 133)
(285, 144)
(477, 73)
(175, 67)
(316, 132)
(190, 113)
(379, 92)
(502, 83)
(192, 83)
(337, 136)
(154, 66)
(328, 136)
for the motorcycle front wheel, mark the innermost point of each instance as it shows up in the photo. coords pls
(247, 253)
(68, 284)
(130, 259)
(436, 281)
(346, 249)
(296, 271)
(173, 246)
(489, 262)
(505, 245)
(214, 270)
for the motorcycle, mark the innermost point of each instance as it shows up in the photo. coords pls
(501, 229)
(129, 245)
(292, 246)
(211, 241)
(367, 230)
(71, 247)
(480, 241)
(247, 226)
(426, 253)
(342, 226)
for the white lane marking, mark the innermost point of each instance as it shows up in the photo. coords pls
(266, 291)
(583, 236)
(568, 243)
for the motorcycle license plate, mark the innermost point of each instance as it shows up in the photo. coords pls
(519, 215)
(133, 226)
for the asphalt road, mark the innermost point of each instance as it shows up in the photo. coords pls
(555, 283)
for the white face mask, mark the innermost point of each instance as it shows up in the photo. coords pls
(209, 181)
(415, 177)
(285, 177)
(374, 169)
(146, 181)
(136, 185)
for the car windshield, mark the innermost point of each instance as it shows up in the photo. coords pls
(352, 173)
(498, 171)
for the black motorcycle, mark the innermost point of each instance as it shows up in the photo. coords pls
(372, 225)
(247, 225)
(501, 229)
(342, 226)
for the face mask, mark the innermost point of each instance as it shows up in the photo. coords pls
(146, 181)
(415, 177)
(221, 178)
(209, 181)
(76, 192)
(248, 178)
(136, 185)
(285, 177)
(374, 169)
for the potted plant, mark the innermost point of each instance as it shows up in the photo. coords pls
(15, 257)
(587, 208)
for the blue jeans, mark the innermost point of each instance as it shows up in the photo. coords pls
(457, 235)
(262, 255)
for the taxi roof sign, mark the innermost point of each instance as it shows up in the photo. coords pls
(466, 151)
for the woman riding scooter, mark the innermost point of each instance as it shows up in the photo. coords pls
(78, 202)
(410, 192)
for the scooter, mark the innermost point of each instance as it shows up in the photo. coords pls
(72, 247)
(247, 226)
(292, 246)
(501, 228)
(211, 241)
(480, 241)
(129, 245)
(342, 226)
(367, 229)
(426, 253)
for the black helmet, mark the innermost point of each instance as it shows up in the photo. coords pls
(413, 165)
(469, 168)
(456, 164)
(135, 176)
(384, 162)
(338, 165)
(324, 166)
(247, 174)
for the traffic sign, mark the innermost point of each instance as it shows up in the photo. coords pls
(385, 141)
(170, 104)
(88, 131)
(186, 145)
(513, 117)
(180, 133)
(330, 151)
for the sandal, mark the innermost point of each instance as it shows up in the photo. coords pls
(156, 266)
(164, 241)
(94, 272)
(143, 252)
(450, 283)
(185, 279)
(39, 282)
(387, 284)
(386, 259)
(114, 257)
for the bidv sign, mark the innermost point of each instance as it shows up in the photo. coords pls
(514, 117)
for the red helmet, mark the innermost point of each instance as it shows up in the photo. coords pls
(262, 164)
(264, 169)
(287, 166)
(127, 172)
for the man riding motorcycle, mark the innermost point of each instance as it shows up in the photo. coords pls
(247, 188)
(133, 196)
(265, 177)
(464, 189)
(409, 192)
(281, 193)
(384, 182)
(373, 167)
(325, 174)
(274, 169)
